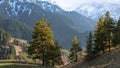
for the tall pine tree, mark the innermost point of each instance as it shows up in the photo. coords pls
(42, 41)
(89, 47)
(54, 54)
(104, 34)
(116, 34)
(108, 27)
(99, 36)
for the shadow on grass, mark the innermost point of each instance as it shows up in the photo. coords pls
(20, 66)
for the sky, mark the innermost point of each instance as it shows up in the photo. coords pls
(72, 4)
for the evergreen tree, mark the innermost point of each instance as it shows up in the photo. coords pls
(108, 27)
(57, 54)
(42, 41)
(75, 49)
(4, 37)
(116, 34)
(99, 36)
(54, 54)
(103, 34)
(90, 54)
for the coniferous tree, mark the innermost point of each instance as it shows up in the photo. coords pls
(4, 37)
(103, 34)
(42, 41)
(99, 36)
(75, 49)
(116, 34)
(108, 27)
(57, 53)
(90, 54)
(54, 54)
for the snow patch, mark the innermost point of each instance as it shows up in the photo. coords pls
(13, 5)
(27, 9)
(31, 1)
(95, 10)
(30, 10)
(1, 1)
(24, 8)
(43, 5)
(7, 11)
(18, 7)
(21, 1)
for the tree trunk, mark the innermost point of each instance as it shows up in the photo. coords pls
(103, 49)
(53, 63)
(43, 57)
(109, 43)
(109, 48)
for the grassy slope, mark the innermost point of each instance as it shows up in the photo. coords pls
(9, 65)
(19, 64)
(107, 60)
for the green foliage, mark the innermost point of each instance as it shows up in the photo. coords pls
(54, 54)
(116, 34)
(99, 36)
(90, 53)
(15, 28)
(108, 30)
(103, 34)
(57, 52)
(11, 56)
(75, 49)
(4, 37)
(13, 52)
(42, 44)
(16, 42)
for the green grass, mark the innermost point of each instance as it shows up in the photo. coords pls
(14, 65)
(19, 64)
(11, 65)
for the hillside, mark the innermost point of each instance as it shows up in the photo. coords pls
(20, 64)
(81, 23)
(15, 28)
(25, 14)
(107, 60)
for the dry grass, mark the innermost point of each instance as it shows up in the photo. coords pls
(20, 40)
(107, 60)
(20, 64)
(18, 50)
(11, 65)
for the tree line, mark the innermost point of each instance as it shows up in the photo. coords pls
(105, 36)
(44, 47)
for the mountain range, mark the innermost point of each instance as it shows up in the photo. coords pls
(91, 8)
(22, 15)
(94, 10)
(65, 25)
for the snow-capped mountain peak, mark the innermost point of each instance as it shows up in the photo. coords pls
(94, 10)
(14, 7)
(44, 5)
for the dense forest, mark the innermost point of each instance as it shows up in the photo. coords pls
(15, 27)
(102, 39)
